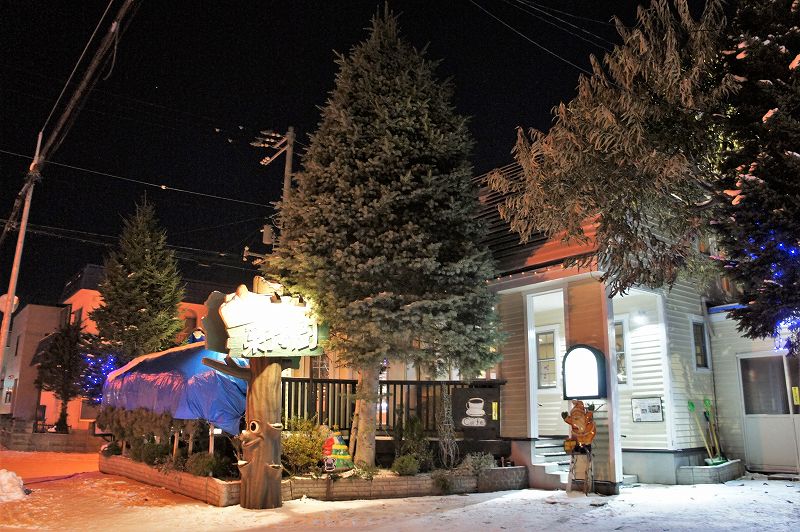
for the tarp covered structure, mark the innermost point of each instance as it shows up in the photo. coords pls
(176, 381)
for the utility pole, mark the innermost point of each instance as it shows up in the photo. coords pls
(283, 144)
(54, 139)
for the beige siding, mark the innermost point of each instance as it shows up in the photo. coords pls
(688, 383)
(645, 373)
(513, 368)
(726, 344)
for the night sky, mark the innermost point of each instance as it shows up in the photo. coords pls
(194, 82)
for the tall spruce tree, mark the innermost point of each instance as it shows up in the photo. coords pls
(60, 367)
(381, 231)
(760, 221)
(141, 290)
(633, 154)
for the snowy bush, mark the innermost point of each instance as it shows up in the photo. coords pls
(11, 487)
(406, 465)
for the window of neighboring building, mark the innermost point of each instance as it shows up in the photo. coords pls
(546, 357)
(320, 367)
(16, 346)
(7, 398)
(620, 348)
(700, 345)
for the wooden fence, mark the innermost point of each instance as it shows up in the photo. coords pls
(332, 401)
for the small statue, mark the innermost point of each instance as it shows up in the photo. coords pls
(582, 427)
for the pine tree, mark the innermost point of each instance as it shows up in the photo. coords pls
(633, 152)
(99, 361)
(60, 367)
(760, 221)
(380, 231)
(141, 290)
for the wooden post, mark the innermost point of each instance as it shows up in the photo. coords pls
(210, 438)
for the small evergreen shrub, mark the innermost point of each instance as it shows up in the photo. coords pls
(301, 446)
(153, 452)
(111, 449)
(443, 479)
(477, 463)
(201, 464)
(365, 472)
(406, 465)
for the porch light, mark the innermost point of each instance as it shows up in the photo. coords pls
(584, 373)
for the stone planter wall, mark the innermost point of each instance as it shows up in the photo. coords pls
(220, 493)
(715, 474)
(206, 489)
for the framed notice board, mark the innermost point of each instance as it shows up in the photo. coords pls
(647, 409)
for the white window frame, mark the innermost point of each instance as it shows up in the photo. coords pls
(554, 328)
(626, 335)
(695, 319)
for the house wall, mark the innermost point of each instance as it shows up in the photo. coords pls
(645, 359)
(687, 382)
(726, 344)
(514, 367)
(31, 324)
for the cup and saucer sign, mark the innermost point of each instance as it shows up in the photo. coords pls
(476, 409)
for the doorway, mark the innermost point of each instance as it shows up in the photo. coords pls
(771, 401)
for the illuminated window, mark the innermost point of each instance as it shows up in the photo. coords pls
(7, 398)
(546, 356)
(699, 345)
(620, 341)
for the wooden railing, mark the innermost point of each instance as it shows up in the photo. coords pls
(332, 401)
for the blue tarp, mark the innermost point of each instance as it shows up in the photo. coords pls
(176, 381)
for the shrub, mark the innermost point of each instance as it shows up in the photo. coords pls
(406, 465)
(411, 440)
(443, 479)
(477, 463)
(365, 472)
(201, 464)
(301, 446)
(153, 452)
(111, 449)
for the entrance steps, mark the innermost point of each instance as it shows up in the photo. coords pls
(550, 469)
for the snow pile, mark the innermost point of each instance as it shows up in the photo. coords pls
(11, 488)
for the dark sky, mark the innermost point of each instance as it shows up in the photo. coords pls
(184, 70)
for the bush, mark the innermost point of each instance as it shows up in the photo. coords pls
(443, 479)
(301, 446)
(406, 465)
(201, 464)
(153, 452)
(411, 440)
(477, 463)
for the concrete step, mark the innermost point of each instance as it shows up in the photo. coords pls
(554, 456)
(629, 480)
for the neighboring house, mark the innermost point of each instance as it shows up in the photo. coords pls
(33, 322)
(662, 351)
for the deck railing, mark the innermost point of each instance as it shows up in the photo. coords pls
(332, 401)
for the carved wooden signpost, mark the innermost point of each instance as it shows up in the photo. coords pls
(272, 332)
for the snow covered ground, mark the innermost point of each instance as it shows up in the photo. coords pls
(94, 501)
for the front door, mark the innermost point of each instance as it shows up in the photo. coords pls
(771, 412)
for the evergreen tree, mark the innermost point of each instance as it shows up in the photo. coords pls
(633, 154)
(60, 367)
(99, 360)
(380, 231)
(760, 221)
(141, 290)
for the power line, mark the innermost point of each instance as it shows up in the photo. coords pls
(518, 4)
(541, 47)
(567, 14)
(75, 68)
(146, 183)
(182, 252)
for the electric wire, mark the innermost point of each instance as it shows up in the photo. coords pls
(518, 4)
(146, 183)
(77, 64)
(541, 47)
(567, 14)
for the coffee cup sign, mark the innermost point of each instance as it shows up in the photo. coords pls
(475, 407)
